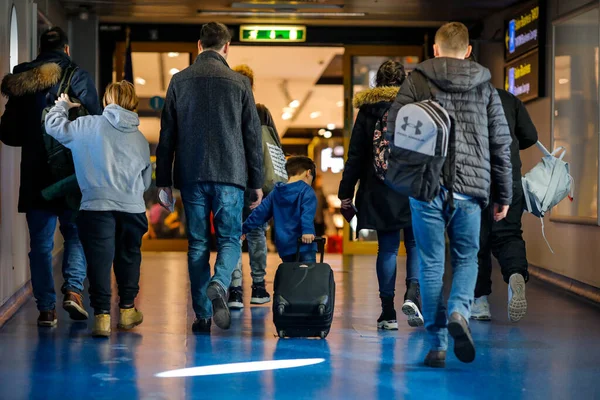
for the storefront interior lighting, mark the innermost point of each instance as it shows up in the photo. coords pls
(140, 81)
(173, 71)
(331, 126)
(173, 54)
(315, 115)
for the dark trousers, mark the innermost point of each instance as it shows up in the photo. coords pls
(504, 240)
(108, 238)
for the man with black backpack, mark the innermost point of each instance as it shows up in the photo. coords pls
(31, 88)
(478, 154)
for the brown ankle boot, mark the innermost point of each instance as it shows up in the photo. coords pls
(73, 304)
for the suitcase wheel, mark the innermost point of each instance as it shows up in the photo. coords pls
(282, 334)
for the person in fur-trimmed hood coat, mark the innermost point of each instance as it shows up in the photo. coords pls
(30, 88)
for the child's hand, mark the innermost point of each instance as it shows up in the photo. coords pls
(243, 238)
(308, 239)
(66, 99)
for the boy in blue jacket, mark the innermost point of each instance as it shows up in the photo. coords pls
(293, 207)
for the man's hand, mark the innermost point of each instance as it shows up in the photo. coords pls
(308, 239)
(346, 203)
(166, 204)
(256, 197)
(500, 212)
(243, 237)
(66, 99)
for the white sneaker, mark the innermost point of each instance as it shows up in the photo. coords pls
(517, 303)
(480, 310)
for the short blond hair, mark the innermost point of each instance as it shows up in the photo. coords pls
(122, 94)
(453, 37)
(246, 71)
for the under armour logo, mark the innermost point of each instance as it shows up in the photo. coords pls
(417, 126)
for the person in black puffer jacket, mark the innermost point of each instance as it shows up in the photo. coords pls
(481, 159)
(379, 207)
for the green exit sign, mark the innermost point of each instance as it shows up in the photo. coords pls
(266, 33)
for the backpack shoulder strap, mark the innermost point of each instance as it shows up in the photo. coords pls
(65, 84)
(421, 84)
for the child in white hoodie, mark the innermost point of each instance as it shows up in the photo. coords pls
(112, 165)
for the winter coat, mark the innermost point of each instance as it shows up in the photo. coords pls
(483, 139)
(30, 88)
(379, 207)
(523, 132)
(210, 128)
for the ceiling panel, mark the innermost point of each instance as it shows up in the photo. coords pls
(324, 12)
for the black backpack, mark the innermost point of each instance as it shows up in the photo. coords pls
(58, 157)
(420, 146)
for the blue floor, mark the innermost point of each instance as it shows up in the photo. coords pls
(553, 353)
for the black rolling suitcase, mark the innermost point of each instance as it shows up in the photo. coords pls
(304, 297)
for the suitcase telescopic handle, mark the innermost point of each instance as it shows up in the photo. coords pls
(320, 245)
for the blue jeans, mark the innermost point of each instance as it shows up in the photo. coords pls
(387, 256)
(226, 204)
(430, 221)
(308, 257)
(42, 225)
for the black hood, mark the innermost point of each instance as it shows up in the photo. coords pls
(454, 75)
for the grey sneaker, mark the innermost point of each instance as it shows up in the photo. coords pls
(480, 310)
(517, 303)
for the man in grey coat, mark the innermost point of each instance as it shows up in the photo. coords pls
(210, 129)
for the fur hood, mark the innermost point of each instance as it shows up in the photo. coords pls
(376, 95)
(30, 81)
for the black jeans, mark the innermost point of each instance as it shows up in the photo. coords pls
(112, 237)
(504, 240)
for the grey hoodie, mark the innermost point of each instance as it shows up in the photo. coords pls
(111, 156)
(483, 138)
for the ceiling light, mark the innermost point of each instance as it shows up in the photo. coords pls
(295, 104)
(321, 132)
(173, 71)
(563, 81)
(173, 54)
(140, 81)
(331, 126)
(327, 135)
(286, 116)
(340, 103)
(314, 115)
(251, 14)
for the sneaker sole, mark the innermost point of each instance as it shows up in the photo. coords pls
(260, 300)
(464, 348)
(435, 364)
(48, 324)
(234, 305)
(411, 310)
(130, 326)
(101, 334)
(76, 312)
(481, 317)
(517, 306)
(388, 325)
(221, 314)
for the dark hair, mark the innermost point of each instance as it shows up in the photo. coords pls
(390, 73)
(297, 165)
(214, 35)
(54, 39)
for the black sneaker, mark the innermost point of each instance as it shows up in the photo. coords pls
(464, 347)
(260, 294)
(218, 297)
(201, 325)
(387, 320)
(412, 304)
(236, 298)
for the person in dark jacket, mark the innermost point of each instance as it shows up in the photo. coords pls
(504, 239)
(481, 157)
(211, 129)
(32, 87)
(257, 240)
(379, 207)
